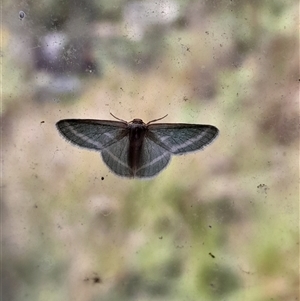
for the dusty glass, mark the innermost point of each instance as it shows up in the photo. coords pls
(220, 224)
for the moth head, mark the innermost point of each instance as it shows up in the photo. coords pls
(137, 121)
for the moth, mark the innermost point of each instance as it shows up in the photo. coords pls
(137, 149)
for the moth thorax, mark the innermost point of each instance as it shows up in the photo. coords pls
(137, 133)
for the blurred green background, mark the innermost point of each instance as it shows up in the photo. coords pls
(222, 224)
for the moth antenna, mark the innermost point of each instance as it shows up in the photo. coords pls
(117, 117)
(157, 119)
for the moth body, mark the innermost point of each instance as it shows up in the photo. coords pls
(136, 132)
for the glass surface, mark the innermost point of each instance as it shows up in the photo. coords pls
(220, 224)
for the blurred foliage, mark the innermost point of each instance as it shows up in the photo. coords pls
(218, 225)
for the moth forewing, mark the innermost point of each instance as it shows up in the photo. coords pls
(92, 134)
(182, 138)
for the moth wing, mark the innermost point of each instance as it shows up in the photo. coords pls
(182, 138)
(154, 159)
(92, 134)
(115, 157)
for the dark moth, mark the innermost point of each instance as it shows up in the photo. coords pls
(135, 148)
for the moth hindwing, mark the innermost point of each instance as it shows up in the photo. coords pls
(137, 149)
